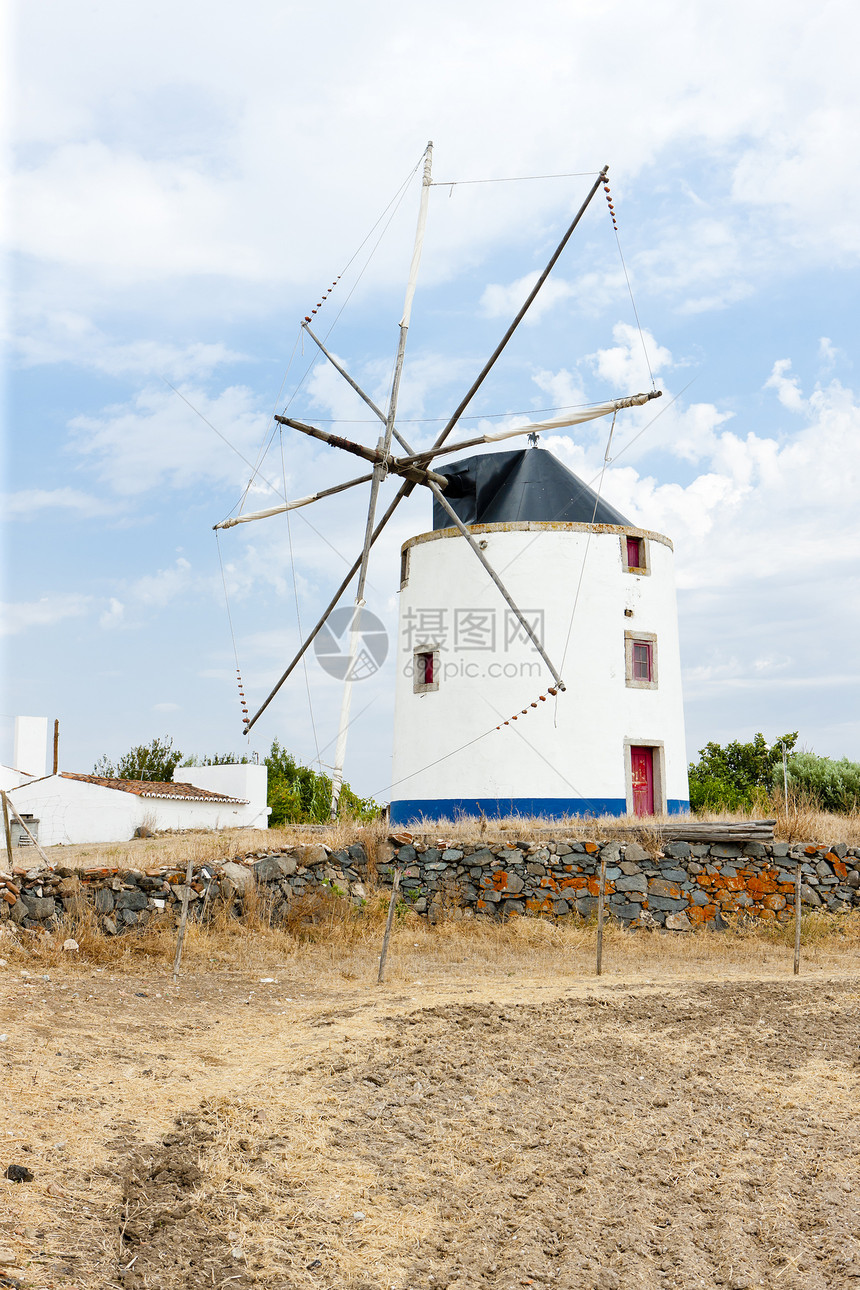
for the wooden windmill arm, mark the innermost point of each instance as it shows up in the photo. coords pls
(443, 501)
(408, 486)
(402, 492)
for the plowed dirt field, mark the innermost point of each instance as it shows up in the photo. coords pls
(467, 1129)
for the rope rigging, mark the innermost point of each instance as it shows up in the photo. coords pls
(415, 467)
(611, 206)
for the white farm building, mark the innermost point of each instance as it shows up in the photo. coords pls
(472, 733)
(68, 808)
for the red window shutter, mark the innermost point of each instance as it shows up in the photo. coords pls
(428, 668)
(642, 660)
(634, 549)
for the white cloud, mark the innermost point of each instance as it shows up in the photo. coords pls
(228, 173)
(114, 615)
(29, 502)
(161, 441)
(505, 301)
(564, 388)
(156, 590)
(761, 510)
(45, 612)
(787, 387)
(764, 537)
(166, 707)
(828, 354)
(66, 336)
(188, 158)
(626, 365)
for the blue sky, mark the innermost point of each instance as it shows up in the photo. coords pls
(187, 178)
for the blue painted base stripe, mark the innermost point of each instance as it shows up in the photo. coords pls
(413, 810)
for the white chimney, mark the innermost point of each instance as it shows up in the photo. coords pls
(31, 745)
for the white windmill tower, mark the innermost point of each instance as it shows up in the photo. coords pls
(599, 593)
(440, 574)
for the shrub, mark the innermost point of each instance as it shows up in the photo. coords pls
(155, 761)
(738, 776)
(299, 795)
(832, 785)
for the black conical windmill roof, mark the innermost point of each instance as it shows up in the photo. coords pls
(530, 484)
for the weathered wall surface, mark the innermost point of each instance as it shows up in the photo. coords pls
(71, 810)
(449, 604)
(685, 887)
(688, 885)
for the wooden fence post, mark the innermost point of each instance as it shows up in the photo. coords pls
(601, 895)
(797, 907)
(183, 918)
(11, 805)
(390, 919)
(8, 829)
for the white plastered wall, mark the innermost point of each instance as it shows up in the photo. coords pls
(235, 780)
(71, 811)
(31, 745)
(570, 747)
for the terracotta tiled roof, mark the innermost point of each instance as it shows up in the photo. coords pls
(153, 788)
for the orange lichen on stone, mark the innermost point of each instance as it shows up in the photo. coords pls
(591, 848)
(774, 901)
(578, 884)
(539, 906)
(758, 887)
(812, 851)
(839, 868)
(549, 882)
(670, 889)
(767, 915)
(500, 880)
(696, 914)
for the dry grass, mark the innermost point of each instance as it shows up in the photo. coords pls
(278, 1120)
(176, 849)
(330, 938)
(799, 822)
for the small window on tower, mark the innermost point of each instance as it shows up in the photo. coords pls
(640, 670)
(634, 554)
(425, 671)
(642, 660)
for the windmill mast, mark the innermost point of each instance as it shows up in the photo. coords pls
(379, 470)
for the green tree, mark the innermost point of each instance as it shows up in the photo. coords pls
(832, 785)
(218, 759)
(299, 795)
(737, 776)
(155, 761)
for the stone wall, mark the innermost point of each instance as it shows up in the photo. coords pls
(126, 898)
(685, 886)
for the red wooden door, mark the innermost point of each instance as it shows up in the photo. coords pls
(642, 765)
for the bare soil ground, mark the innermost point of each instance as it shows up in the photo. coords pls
(494, 1116)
